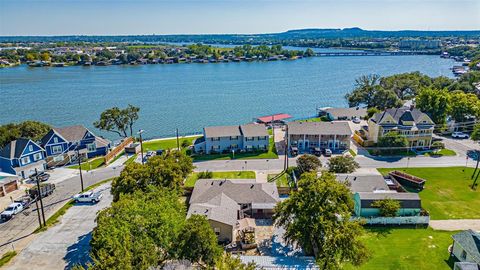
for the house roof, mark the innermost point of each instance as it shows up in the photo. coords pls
(470, 242)
(406, 199)
(220, 208)
(322, 128)
(254, 130)
(281, 262)
(400, 115)
(347, 112)
(72, 133)
(14, 149)
(222, 131)
(101, 142)
(466, 266)
(364, 183)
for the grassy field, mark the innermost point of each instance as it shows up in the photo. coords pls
(443, 153)
(447, 194)
(405, 249)
(192, 178)
(90, 164)
(281, 182)
(166, 144)
(7, 257)
(270, 154)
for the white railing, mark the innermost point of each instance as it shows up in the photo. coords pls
(411, 220)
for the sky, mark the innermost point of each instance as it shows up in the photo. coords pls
(125, 17)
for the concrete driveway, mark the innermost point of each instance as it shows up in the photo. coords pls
(67, 243)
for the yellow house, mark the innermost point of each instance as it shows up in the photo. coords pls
(415, 125)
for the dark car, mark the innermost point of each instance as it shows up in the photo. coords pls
(317, 151)
(294, 151)
(159, 152)
(43, 176)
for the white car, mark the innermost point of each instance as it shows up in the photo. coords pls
(11, 211)
(459, 135)
(88, 197)
(356, 120)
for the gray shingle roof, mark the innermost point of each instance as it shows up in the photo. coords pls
(323, 128)
(470, 242)
(72, 133)
(347, 112)
(400, 114)
(406, 199)
(14, 149)
(254, 130)
(220, 208)
(222, 131)
(364, 183)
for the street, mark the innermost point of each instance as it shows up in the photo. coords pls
(15, 233)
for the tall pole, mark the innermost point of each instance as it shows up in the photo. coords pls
(476, 167)
(273, 129)
(178, 144)
(40, 197)
(141, 145)
(80, 167)
(285, 162)
(38, 212)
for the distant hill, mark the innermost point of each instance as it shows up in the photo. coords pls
(354, 32)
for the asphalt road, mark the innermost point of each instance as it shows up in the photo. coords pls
(66, 244)
(22, 226)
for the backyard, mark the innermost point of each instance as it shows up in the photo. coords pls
(270, 154)
(447, 193)
(192, 178)
(90, 164)
(404, 249)
(165, 144)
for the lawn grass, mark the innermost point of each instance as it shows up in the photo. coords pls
(192, 178)
(447, 193)
(405, 249)
(130, 160)
(7, 257)
(90, 164)
(442, 153)
(281, 182)
(165, 144)
(270, 154)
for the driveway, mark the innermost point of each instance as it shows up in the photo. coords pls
(17, 233)
(67, 243)
(456, 224)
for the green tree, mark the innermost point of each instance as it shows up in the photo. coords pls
(185, 144)
(230, 262)
(406, 85)
(392, 143)
(309, 53)
(138, 231)
(388, 207)
(197, 242)
(131, 113)
(166, 171)
(369, 92)
(33, 130)
(341, 164)
(317, 217)
(435, 103)
(308, 163)
(476, 133)
(45, 56)
(31, 56)
(464, 105)
(118, 120)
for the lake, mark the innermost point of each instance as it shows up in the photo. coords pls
(191, 96)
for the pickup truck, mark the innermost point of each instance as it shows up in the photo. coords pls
(88, 197)
(25, 201)
(11, 211)
(45, 190)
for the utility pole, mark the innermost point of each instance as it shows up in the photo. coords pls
(178, 143)
(40, 197)
(141, 144)
(38, 212)
(80, 167)
(273, 129)
(476, 167)
(285, 162)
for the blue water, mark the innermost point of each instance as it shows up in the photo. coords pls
(191, 96)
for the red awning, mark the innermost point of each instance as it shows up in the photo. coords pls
(275, 117)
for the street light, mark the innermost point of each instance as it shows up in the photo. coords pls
(233, 153)
(141, 143)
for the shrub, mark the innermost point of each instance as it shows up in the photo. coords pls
(342, 164)
(205, 175)
(437, 145)
(308, 163)
(388, 207)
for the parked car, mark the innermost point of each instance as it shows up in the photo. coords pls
(43, 176)
(294, 151)
(159, 152)
(88, 197)
(45, 190)
(11, 211)
(25, 201)
(317, 151)
(327, 152)
(459, 135)
(356, 120)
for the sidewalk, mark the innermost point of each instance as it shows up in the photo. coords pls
(456, 224)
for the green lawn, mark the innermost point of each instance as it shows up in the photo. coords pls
(443, 153)
(270, 154)
(166, 144)
(130, 160)
(447, 193)
(7, 257)
(405, 249)
(90, 164)
(192, 178)
(281, 182)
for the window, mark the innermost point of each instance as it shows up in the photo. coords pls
(37, 156)
(215, 139)
(30, 148)
(249, 138)
(55, 140)
(233, 137)
(217, 231)
(234, 146)
(58, 158)
(25, 160)
(215, 147)
(91, 147)
(463, 255)
(56, 149)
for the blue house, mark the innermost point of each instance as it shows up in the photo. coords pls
(21, 157)
(61, 144)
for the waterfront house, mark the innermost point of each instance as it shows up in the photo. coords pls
(334, 114)
(221, 139)
(466, 249)
(21, 157)
(61, 144)
(226, 202)
(415, 125)
(307, 136)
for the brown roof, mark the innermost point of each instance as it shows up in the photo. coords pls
(315, 128)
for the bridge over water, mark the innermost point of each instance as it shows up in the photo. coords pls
(367, 53)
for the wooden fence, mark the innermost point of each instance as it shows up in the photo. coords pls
(117, 150)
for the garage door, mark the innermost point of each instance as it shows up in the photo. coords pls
(12, 186)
